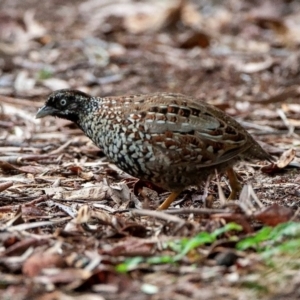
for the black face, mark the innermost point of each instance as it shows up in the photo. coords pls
(63, 104)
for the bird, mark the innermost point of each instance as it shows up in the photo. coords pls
(172, 140)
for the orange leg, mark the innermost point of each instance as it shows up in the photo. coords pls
(234, 184)
(168, 201)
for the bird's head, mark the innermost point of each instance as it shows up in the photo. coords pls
(65, 104)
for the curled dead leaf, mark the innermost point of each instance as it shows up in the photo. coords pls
(286, 157)
(102, 216)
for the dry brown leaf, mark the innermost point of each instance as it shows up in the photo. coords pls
(98, 192)
(32, 169)
(20, 247)
(120, 192)
(135, 229)
(75, 169)
(274, 215)
(69, 275)
(285, 159)
(132, 246)
(7, 167)
(39, 261)
(140, 184)
(102, 216)
(270, 169)
(31, 211)
(237, 218)
(194, 39)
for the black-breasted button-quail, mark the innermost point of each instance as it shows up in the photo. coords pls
(169, 139)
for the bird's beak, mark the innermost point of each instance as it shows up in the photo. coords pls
(46, 111)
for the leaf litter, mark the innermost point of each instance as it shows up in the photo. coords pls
(73, 225)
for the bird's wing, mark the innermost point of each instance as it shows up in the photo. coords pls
(182, 130)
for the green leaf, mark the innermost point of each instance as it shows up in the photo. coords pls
(204, 238)
(255, 240)
(267, 238)
(44, 74)
(182, 247)
(164, 259)
(129, 264)
(226, 228)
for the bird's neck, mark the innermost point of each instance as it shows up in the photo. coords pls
(89, 116)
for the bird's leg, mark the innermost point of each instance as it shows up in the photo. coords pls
(168, 201)
(234, 184)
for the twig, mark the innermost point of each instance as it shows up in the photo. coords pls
(286, 122)
(161, 215)
(296, 214)
(18, 159)
(61, 148)
(199, 211)
(220, 191)
(156, 214)
(27, 226)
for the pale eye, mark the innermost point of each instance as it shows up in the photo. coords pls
(63, 102)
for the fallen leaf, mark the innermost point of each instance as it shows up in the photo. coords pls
(274, 215)
(7, 167)
(286, 157)
(140, 184)
(39, 261)
(194, 39)
(237, 218)
(75, 169)
(32, 169)
(5, 185)
(254, 67)
(135, 229)
(102, 216)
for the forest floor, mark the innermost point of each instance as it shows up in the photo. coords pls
(73, 226)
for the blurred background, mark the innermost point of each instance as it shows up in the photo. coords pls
(219, 51)
(242, 56)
